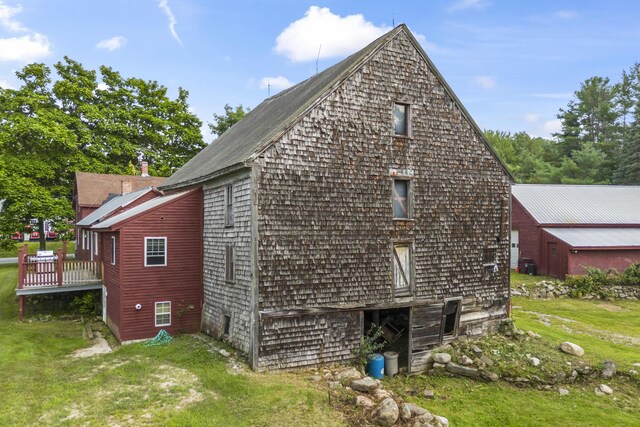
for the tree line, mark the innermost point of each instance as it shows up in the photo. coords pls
(599, 141)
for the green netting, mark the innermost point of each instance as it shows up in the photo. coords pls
(162, 338)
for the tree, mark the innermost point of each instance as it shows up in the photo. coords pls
(228, 119)
(51, 130)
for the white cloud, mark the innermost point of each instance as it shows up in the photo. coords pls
(531, 118)
(277, 83)
(113, 43)
(25, 49)
(164, 5)
(485, 82)
(102, 86)
(467, 4)
(552, 126)
(5, 84)
(321, 31)
(6, 18)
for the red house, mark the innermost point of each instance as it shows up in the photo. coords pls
(152, 257)
(565, 229)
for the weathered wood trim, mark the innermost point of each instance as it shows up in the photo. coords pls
(255, 269)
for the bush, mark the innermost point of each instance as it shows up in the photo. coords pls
(369, 344)
(85, 305)
(631, 276)
(594, 282)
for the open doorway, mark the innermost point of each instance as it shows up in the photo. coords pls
(395, 325)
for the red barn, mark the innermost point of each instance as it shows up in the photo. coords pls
(152, 257)
(565, 229)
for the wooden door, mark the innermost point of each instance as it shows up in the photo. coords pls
(425, 329)
(552, 259)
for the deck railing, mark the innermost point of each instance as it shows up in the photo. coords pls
(57, 272)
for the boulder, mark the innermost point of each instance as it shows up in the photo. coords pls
(364, 402)
(335, 384)
(437, 365)
(350, 374)
(429, 394)
(484, 359)
(443, 358)
(386, 413)
(489, 376)
(380, 394)
(533, 334)
(603, 389)
(465, 371)
(476, 349)
(405, 412)
(572, 349)
(465, 360)
(443, 421)
(563, 391)
(534, 361)
(608, 369)
(365, 385)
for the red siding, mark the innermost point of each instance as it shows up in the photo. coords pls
(111, 280)
(545, 263)
(529, 233)
(604, 260)
(180, 281)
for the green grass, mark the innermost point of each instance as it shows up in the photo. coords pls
(182, 384)
(518, 279)
(34, 246)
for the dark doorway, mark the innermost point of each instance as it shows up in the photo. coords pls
(450, 316)
(552, 259)
(395, 331)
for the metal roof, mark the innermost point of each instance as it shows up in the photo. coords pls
(112, 205)
(265, 123)
(597, 237)
(145, 207)
(580, 204)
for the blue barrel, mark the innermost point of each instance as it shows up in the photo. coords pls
(375, 367)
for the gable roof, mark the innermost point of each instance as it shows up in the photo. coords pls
(597, 238)
(580, 204)
(113, 205)
(117, 220)
(94, 188)
(275, 115)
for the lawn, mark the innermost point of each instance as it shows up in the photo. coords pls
(182, 384)
(34, 246)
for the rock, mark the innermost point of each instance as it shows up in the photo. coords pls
(574, 375)
(328, 376)
(534, 361)
(365, 385)
(563, 391)
(414, 409)
(437, 365)
(364, 402)
(636, 365)
(443, 358)
(381, 394)
(465, 360)
(476, 349)
(386, 413)
(484, 359)
(533, 334)
(584, 370)
(489, 376)
(224, 353)
(429, 394)
(608, 370)
(405, 412)
(335, 384)
(603, 389)
(443, 421)
(633, 372)
(315, 378)
(572, 349)
(465, 371)
(348, 374)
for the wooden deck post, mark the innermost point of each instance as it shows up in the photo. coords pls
(21, 311)
(60, 266)
(21, 257)
(64, 250)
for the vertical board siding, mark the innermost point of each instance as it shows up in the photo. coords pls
(179, 282)
(222, 297)
(111, 280)
(529, 233)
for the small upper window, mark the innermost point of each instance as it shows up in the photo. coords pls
(400, 198)
(228, 203)
(401, 119)
(163, 313)
(402, 266)
(155, 251)
(113, 250)
(489, 257)
(230, 264)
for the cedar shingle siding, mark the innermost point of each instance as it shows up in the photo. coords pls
(314, 228)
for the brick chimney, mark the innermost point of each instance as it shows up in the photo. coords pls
(126, 187)
(144, 169)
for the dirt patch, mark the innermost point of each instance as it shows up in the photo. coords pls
(611, 307)
(100, 346)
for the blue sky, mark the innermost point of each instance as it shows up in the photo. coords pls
(512, 63)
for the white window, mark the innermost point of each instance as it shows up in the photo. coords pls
(229, 264)
(228, 205)
(113, 250)
(401, 120)
(400, 198)
(85, 239)
(95, 243)
(155, 251)
(402, 266)
(163, 313)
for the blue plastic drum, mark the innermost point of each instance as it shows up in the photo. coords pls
(375, 367)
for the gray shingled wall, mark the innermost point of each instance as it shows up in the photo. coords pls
(325, 219)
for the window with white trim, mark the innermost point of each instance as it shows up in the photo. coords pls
(95, 243)
(163, 313)
(402, 266)
(228, 205)
(85, 239)
(113, 250)
(155, 251)
(400, 193)
(401, 119)
(229, 264)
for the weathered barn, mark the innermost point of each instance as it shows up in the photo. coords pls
(152, 258)
(565, 229)
(365, 194)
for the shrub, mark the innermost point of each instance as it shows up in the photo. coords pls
(631, 276)
(594, 282)
(85, 305)
(369, 344)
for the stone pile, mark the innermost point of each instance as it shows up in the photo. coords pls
(549, 289)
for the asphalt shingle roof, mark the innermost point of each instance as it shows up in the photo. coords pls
(95, 188)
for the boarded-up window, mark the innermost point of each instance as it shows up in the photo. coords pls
(228, 204)
(155, 251)
(401, 119)
(402, 266)
(400, 198)
(163, 313)
(229, 264)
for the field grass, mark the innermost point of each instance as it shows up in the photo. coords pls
(182, 384)
(34, 246)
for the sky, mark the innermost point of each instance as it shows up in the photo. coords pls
(513, 64)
